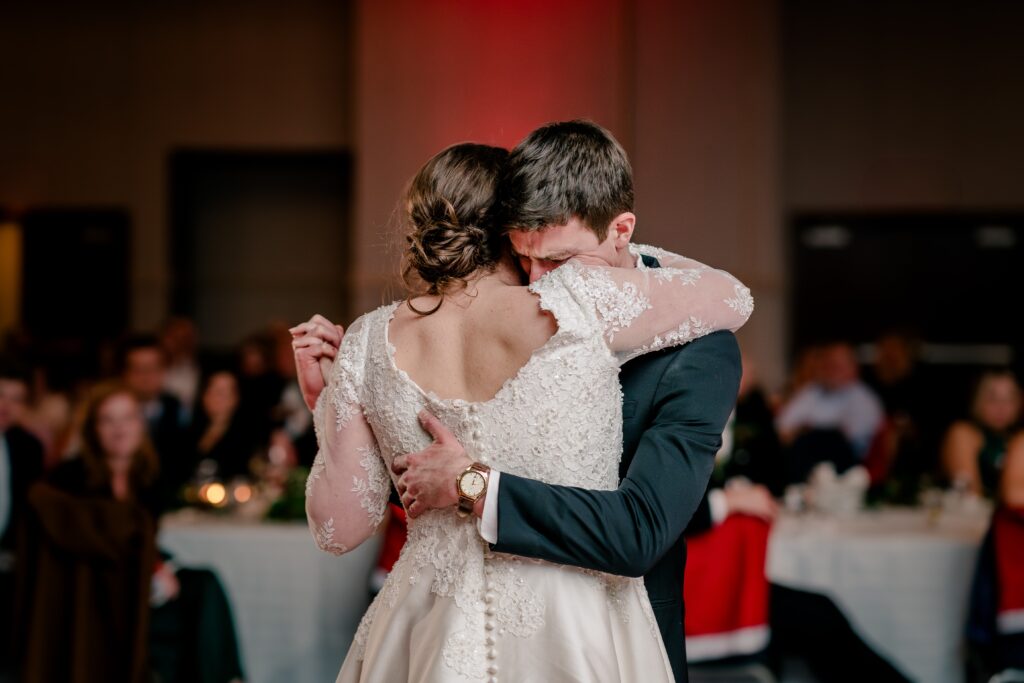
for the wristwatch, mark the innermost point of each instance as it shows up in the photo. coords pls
(471, 485)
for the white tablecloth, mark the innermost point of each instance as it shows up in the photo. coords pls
(296, 608)
(901, 579)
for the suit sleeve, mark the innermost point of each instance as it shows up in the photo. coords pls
(702, 520)
(627, 530)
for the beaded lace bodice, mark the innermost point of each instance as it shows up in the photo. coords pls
(558, 420)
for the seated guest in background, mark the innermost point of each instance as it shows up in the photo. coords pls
(21, 463)
(219, 432)
(117, 459)
(259, 383)
(190, 630)
(89, 552)
(833, 418)
(144, 367)
(995, 632)
(178, 338)
(747, 478)
(804, 372)
(911, 404)
(973, 450)
(748, 472)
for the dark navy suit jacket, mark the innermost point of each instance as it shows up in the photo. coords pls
(676, 404)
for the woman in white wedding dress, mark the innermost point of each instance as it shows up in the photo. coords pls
(527, 378)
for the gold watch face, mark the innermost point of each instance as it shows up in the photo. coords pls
(472, 484)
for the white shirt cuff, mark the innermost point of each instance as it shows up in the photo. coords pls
(719, 506)
(487, 525)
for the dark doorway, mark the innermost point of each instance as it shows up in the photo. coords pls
(258, 237)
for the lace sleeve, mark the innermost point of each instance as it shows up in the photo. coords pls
(348, 486)
(644, 309)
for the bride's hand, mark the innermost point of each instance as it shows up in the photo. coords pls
(315, 344)
(427, 478)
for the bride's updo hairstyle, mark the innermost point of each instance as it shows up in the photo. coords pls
(449, 209)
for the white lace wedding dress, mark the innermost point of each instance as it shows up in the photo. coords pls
(452, 610)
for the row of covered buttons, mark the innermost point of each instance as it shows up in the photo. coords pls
(489, 625)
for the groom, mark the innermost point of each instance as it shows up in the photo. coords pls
(568, 191)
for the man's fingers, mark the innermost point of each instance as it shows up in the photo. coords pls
(435, 427)
(398, 465)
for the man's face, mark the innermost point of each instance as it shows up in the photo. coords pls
(539, 251)
(144, 372)
(13, 394)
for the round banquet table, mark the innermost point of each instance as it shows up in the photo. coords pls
(295, 607)
(901, 576)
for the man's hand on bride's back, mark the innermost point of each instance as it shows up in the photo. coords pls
(426, 478)
(315, 344)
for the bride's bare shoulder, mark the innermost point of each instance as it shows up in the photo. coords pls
(520, 316)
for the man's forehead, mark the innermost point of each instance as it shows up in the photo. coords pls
(551, 240)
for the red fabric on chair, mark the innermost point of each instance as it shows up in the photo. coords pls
(1008, 533)
(881, 452)
(726, 591)
(394, 538)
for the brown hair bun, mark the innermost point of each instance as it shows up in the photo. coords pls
(449, 207)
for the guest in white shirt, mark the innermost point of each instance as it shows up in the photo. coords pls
(832, 419)
(837, 400)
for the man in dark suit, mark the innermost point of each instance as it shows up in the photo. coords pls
(143, 370)
(21, 464)
(568, 192)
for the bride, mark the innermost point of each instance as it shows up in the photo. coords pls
(527, 378)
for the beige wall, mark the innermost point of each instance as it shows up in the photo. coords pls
(735, 113)
(690, 88)
(433, 74)
(96, 97)
(707, 152)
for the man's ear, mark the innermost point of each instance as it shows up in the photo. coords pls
(621, 229)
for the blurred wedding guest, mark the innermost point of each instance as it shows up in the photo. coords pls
(748, 473)
(973, 450)
(89, 552)
(144, 368)
(219, 432)
(259, 382)
(21, 463)
(181, 380)
(803, 372)
(833, 418)
(154, 615)
(50, 415)
(995, 629)
(912, 406)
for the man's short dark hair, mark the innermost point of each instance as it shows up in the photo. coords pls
(139, 342)
(565, 170)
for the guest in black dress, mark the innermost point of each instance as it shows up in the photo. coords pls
(220, 432)
(974, 449)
